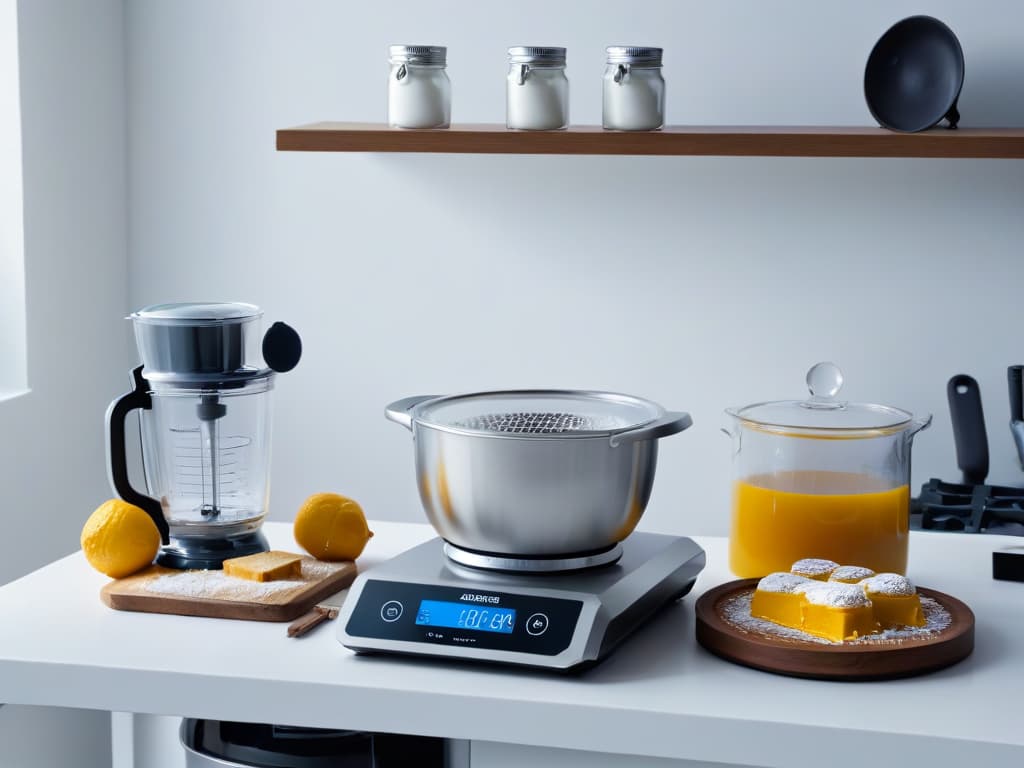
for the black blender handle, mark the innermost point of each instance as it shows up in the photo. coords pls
(1015, 378)
(117, 459)
(282, 347)
(968, 428)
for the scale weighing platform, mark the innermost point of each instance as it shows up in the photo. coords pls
(422, 603)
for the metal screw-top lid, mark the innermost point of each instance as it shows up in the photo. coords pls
(636, 56)
(418, 54)
(530, 54)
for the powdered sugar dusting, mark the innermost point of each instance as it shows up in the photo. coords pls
(318, 569)
(835, 594)
(788, 583)
(851, 574)
(813, 566)
(888, 584)
(736, 611)
(216, 585)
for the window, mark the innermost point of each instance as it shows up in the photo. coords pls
(13, 364)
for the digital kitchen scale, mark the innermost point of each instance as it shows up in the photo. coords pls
(422, 603)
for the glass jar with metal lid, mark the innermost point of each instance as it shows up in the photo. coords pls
(537, 90)
(419, 92)
(820, 478)
(634, 90)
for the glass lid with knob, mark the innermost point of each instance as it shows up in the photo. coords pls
(824, 412)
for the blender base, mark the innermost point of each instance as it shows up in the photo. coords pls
(195, 552)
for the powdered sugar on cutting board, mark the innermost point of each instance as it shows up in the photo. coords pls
(736, 611)
(216, 586)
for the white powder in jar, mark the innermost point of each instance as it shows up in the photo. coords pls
(420, 99)
(636, 102)
(540, 102)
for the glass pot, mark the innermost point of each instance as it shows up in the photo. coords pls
(820, 478)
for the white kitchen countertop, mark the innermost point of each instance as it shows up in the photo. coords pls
(660, 694)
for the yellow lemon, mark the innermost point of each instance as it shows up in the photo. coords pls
(119, 539)
(331, 527)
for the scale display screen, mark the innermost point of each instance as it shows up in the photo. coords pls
(435, 613)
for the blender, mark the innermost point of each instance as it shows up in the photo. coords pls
(205, 421)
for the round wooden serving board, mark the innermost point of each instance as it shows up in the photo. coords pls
(879, 660)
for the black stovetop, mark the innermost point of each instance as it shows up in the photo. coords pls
(963, 508)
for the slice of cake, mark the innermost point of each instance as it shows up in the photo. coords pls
(894, 599)
(778, 598)
(265, 566)
(851, 574)
(814, 568)
(837, 611)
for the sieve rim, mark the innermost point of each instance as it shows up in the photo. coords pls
(420, 413)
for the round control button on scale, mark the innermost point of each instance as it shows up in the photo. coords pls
(537, 624)
(391, 611)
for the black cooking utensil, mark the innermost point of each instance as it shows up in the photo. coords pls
(1015, 378)
(914, 75)
(968, 428)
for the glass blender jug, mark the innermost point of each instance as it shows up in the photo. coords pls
(820, 478)
(205, 419)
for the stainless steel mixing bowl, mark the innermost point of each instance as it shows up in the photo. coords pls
(535, 473)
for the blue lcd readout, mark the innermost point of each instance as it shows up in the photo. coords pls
(434, 613)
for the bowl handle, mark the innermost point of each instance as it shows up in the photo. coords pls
(669, 424)
(399, 411)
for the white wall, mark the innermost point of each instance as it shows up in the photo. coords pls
(51, 440)
(701, 283)
(13, 374)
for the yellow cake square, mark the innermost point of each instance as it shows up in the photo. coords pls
(778, 598)
(265, 566)
(894, 599)
(837, 611)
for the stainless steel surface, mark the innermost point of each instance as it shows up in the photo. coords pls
(400, 411)
(596, 414)
(654, 570)
(532, 565)
(425, 55)
(197, 341)
(526, 494)
(537, 55)
(634, 55)
(671, 423)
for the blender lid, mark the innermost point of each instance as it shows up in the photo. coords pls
(197, 313)
(538, 413)
(823, 410)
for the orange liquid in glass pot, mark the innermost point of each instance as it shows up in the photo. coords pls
(842, 516)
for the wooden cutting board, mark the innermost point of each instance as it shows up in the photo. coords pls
(867, 659)
(212, 594)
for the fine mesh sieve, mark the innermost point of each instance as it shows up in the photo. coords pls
(537, 413)
(536, 423)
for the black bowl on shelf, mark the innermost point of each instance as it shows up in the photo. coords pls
(914, 75)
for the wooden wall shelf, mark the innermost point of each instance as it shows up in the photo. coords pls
(744, 141)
